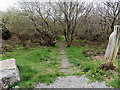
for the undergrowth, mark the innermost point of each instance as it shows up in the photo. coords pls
(91, 67)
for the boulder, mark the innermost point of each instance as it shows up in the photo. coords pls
(9, 73)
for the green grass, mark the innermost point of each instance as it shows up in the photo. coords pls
(0, 57)
(42, 65)
(91, 67)
(115, 77)
(36, 65)
(60, 39)
(115, 82)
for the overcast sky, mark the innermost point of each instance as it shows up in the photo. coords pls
(6, 4)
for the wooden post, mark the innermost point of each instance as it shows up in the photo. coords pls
(113, 45)
(112, 49)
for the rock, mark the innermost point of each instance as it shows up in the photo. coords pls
(9, 73)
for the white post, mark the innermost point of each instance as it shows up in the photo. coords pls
(113, 45)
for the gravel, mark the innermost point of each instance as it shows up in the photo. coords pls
(73, 82)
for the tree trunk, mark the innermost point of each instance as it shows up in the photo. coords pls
(69, 43)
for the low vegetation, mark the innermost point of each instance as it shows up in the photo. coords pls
(38, 64)
(31, 30)
(90, 67)
(41, 64)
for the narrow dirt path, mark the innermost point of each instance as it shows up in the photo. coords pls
(71, 81)
(66, 66)
(64, 62)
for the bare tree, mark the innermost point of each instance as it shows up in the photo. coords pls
(109, 12)
(69, 14)
(44, 20)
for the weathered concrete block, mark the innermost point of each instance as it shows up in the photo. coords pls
(9, 73)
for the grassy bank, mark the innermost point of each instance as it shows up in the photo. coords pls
(38, 64)
(79, 58)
